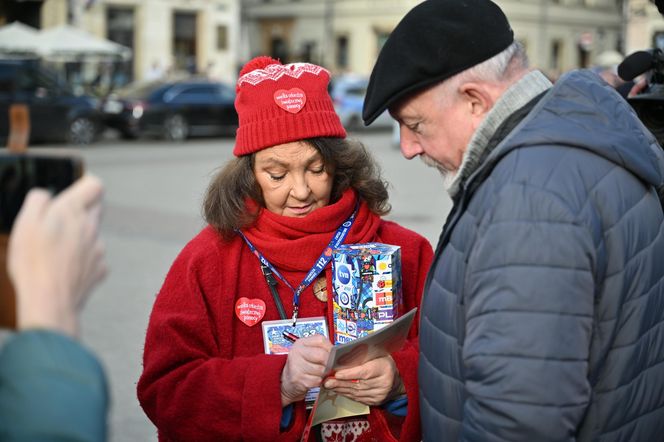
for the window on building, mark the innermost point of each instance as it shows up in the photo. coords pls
(658, 40)
(381, 38)
(222, 37)
(279, 49)
(120, 29)
(583, 56)
(28, 13)
(556, 54)
(308, 48)
(342, 52)
(184, 41)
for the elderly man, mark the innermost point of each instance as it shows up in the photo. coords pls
(543, 315)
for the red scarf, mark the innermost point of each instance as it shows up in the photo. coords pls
(294, 244)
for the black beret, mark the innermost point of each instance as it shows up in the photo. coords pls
(434, 41)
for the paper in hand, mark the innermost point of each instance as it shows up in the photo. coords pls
(385, 341)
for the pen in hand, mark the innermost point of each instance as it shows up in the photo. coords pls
(292, 337)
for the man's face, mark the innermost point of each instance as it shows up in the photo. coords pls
(435, 124)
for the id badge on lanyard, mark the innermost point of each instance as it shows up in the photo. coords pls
(279, 336)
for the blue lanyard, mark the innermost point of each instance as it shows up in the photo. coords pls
(321, 262)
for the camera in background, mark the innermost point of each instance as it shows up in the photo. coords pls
(649, 103)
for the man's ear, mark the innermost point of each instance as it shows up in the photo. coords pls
(479, 99)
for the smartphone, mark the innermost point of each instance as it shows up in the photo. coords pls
(20, 172)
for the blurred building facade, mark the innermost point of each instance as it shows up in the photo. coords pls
(216, 37)
(166, 36)
(346, 35)
(644, 26)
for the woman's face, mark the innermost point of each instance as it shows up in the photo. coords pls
(293, 179)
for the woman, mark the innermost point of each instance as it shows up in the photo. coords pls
(272, 212)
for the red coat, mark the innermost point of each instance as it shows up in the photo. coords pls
(205, 374)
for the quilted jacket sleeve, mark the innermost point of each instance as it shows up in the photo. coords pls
(529, 292)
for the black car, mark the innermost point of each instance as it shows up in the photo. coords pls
(56, 114)
(174, 110)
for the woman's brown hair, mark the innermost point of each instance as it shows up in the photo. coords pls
(224, 206)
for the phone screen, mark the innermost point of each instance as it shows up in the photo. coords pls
(21, 172)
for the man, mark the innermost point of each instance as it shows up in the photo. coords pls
(543, 314)
(51, 388)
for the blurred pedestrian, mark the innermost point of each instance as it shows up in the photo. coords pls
(296, 189)
(606, 66)
(543, 315)
(155, 72)
(51, 387)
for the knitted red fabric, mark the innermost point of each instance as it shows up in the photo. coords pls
(278, 104)
(296, 243)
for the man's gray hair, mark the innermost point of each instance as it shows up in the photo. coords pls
(503, 66)
(500, 68)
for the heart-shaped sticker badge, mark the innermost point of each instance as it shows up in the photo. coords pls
(250, 311)
(291, 100)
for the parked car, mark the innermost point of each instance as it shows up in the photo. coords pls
(56, 114)
(174, 110)
(347, 92)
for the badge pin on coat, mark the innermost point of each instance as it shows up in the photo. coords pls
(250, 311)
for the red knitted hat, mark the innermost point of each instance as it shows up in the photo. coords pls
(278, 103)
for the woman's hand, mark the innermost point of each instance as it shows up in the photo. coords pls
(371, 383)
(304, 368)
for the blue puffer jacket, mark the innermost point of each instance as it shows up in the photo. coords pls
(543, 315)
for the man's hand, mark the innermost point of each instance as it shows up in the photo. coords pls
(638, 87)
(371, 383)
(304, 368)
(55, 255)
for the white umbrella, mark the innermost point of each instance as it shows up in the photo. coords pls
(17, 38)
(66, 42)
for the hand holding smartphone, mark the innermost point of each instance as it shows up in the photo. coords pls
(20, 172)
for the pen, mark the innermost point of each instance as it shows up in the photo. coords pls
(292, 337)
